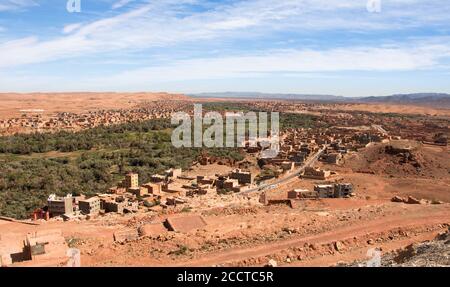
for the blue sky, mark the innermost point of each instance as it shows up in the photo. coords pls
(283, 46)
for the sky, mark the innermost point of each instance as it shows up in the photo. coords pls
(338, 47)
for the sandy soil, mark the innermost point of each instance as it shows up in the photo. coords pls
(11, 104)
(235, 236)
(242, 232)
(393, 108)
(339, 234)
(372, 107)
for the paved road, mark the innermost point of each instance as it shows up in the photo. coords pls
(266, 186)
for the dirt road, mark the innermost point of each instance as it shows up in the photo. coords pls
(422, 218)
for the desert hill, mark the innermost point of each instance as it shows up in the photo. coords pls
(426, 99)
(401, 159)
(13, 104)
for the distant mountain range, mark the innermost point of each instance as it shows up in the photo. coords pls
(257, 95)
(419, 98)
(427, 99)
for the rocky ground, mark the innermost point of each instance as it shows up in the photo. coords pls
(435, 253)
(432, 253)
(422, 161)
(239, 231)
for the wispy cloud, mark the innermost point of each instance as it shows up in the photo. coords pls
(162, 30)
(158, 23)
(402, 58)
(120, 4)
(71, 27)
(9, 5)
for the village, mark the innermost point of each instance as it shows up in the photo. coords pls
(176, 191)
(226, 135)
(305, 172)
(299, 150)
(32, 121)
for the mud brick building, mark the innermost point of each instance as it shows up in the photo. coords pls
(324, 190)
(302, 194)
(331, 158)
(131, 181)
(90, 206)
(153, 188)
(243, 177)
(343, 190)
(60, 205)
(313, 173)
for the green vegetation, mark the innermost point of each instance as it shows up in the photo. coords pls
(118, 136)
(73, 242)
(151, 203)
(287, 120)
(88, 162)
(224, 191)
(182, 250)
(226, 106)
(291, 120)
(267, 173)
(32, 166)
(186, 209)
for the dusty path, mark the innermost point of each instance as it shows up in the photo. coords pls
(361, 252)
(427, 217)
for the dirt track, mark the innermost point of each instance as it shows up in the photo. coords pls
(424, 218)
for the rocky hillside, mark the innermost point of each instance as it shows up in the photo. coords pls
(434, 253)
(400, 159)
(427, 99)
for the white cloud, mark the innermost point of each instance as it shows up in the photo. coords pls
(284, 62)
(232, 24)
(267, 66)
(120, 4)
(158, 24)
(72, 27)
(8, 5)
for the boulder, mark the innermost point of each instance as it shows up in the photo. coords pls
(272, 263)
(437, 202)
(398, 199)
(339, 246)
(413, 200)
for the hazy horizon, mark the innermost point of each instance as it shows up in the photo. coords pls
(333, 47)
(217, 93)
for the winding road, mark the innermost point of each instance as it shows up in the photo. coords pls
(267, 186)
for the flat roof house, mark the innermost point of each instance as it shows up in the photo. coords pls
(90, 206)
(60, 205)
